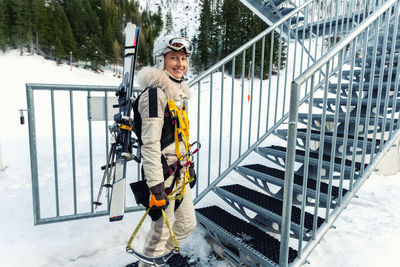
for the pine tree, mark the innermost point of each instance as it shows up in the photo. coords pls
(116, 52)
(43, 26)
(3, 25)
(151, 27)
(168, 22)
(92, 45)
(15, 29)
(226, 28)
(76, 16)
(203, 54)
(217, 32)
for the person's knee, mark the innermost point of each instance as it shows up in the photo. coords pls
(189, 227)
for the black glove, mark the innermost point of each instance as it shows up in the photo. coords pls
(158, 198)
(193, 175)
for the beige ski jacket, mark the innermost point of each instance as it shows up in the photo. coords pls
(151, 107)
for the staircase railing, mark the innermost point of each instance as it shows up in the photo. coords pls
(244, 124)
(370, 109)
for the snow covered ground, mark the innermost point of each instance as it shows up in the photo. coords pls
(367, 233)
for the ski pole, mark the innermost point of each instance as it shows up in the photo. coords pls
(110, 159)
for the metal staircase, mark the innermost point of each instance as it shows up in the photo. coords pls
(271, 11)
(348, 119)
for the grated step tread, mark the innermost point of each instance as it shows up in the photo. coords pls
(311, 183)
(314, 155)
(340, 135)
(249, 234)
(271, 204)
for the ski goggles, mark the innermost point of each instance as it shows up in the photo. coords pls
(180, 43)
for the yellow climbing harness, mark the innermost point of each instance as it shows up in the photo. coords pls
(182, 130)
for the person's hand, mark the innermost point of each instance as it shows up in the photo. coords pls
(158, 198)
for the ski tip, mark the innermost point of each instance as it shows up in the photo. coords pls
(130, 27)
(116, 218)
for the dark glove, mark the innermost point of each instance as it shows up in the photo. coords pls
(158, 198)
(193, 175)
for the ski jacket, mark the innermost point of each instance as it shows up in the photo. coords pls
(151, 106)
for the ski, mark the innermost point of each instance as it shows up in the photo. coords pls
(123, 121)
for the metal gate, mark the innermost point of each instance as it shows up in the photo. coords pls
(69, 141)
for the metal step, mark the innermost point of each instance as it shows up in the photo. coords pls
(318, 26)
(368, 74)
(277, 154)
(285, 11)
(262, 176)
(381, 37)
(331, 105)
(277, 3)
(267, 208)
(332, 88)
(368, 60)
(315, 136)
(242, 242)
(267, 13)
(317, 118)
(380, 48)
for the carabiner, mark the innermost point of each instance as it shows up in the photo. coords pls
(197, 148)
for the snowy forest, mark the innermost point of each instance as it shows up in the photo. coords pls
(91, 31)
(226, 25)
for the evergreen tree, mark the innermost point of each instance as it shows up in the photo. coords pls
(217, 32)
(203, 54)
(77, 19)
(231, 12)
(168, 22)
(91, 29)
(43, 26)
(116, 52)
(15, 27)
(151, 26)
(226, 28)
(3, 25)
(62, 32)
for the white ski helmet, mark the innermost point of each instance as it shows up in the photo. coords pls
(169, 43)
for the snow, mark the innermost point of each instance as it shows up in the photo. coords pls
(367, 233)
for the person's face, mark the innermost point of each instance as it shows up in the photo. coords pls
(176, 63)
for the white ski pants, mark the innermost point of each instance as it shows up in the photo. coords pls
(158, 240)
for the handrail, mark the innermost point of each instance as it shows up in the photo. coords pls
(75, 87)
(248, 44)
(342, 44)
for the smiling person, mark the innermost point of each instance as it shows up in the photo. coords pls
(160, 112)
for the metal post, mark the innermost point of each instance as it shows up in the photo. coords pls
(210, 129)
(53, 120)
(33, 154)
(289, 174)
